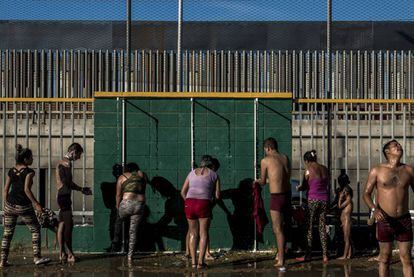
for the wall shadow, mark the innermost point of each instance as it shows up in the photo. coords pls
(241, 220)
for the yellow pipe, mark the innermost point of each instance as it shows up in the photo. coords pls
(48, 100)
(356, 101)
(225, 95)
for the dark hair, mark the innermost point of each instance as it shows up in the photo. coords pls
(215, 164)
(206, 161)
(343, 179)
(75, 147)
(386, 146)
(23, 154)
(117, 170)
(132, 167)
(310, 156)
(271, 143)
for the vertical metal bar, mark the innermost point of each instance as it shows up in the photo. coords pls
(346, 138)
(49, 160)
(392, 120)
(192, 136)
(27, 124)
(357, 161)
(404, 106)
(335, 131)
(4, 107)
(72, 140)
(39, 122)
(324, 116)
(381, 129)
(255, 130)
(300, 150)
(15, 122)
(179, 41)
(329, 83)
(369, 135)
(61, 107)
(84, 160)
(312, 115)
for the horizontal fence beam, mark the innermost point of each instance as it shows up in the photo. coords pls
(46, 100)
(224, 95)
(356, 101)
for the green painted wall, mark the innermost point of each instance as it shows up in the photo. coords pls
(158, 139)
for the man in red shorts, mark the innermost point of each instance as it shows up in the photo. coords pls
(275, 168)
(391, 181)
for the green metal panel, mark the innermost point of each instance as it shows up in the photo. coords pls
(158, 139)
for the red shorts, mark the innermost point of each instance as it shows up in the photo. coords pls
(197, 208)
(400, 228)
(281, 202)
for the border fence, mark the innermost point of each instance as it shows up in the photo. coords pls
(78, 73)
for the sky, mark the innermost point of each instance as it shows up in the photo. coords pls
(208, 10)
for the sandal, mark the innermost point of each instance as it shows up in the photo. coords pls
(42, 261)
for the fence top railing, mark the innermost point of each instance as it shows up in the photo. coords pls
(46, 100)
(206, 95)
(355, 101)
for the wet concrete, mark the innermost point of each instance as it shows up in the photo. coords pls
(227, 264)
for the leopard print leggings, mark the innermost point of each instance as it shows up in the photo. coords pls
(318, 209)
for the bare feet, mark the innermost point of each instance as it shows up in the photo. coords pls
(129, 258)
(325, 259)
(279, 264)
(4, 264)
(343, 258)
(63, 258)
(201, 266)
(373, 259)
(209, 257)
(72, 259)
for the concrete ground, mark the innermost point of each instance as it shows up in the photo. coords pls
(227, 264)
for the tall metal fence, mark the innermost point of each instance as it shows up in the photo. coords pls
(48, 127)
(78, 73)
(360, 129)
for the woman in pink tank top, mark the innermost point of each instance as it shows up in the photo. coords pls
(316, 183)
(200, 187)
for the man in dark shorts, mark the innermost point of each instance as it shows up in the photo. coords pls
(391, 181)
(276, 170)
(64, 186)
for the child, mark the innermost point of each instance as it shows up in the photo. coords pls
(345, 204)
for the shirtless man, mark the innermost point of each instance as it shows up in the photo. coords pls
(391, 180)
(275, 170)
(64, 186)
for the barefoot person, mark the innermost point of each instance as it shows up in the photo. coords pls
(275, 170)
(391, 180)
(65, 186)
(345, 204)
(19, 201)
(199, 188)
(316, 182)
(130, 201)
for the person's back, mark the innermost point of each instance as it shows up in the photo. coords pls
(278, 172)
(17, 195)
(201, 183)
(318, 181)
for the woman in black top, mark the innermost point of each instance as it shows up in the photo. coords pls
(20, 202)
